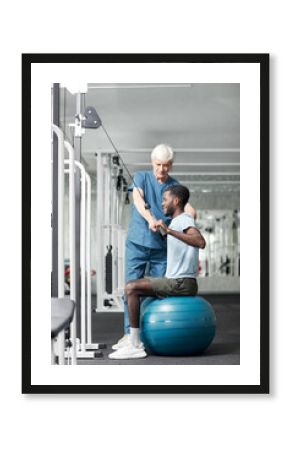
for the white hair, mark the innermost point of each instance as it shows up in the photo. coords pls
(163, 152)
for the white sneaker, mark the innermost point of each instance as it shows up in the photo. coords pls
(121, 342)
(129, 352)
(124, 341)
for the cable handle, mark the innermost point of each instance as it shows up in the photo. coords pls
(162, 232)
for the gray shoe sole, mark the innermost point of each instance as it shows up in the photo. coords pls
(118, 346)
(136, 356)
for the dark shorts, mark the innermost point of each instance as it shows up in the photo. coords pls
(171, 287)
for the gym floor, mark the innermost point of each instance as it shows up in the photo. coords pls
(224, 350)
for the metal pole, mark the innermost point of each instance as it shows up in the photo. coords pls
(60, 196)
(72, 243)
(88, 260)
(112, 177)
(107, 241)
(99, 212)
(60, 228)
(83, 255)
(77, 150)
(55, 121)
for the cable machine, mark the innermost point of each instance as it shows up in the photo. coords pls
(111, 196)
(111, 190)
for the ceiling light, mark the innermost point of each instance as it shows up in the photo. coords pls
(137, 85)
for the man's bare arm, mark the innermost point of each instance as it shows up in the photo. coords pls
(191, 236)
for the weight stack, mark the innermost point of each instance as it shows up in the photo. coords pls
(109, 268)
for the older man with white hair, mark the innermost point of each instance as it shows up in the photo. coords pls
(146, 249)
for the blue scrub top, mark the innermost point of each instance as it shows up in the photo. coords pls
(139, 231)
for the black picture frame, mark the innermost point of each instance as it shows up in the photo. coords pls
(263, 61)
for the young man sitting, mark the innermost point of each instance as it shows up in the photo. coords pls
(183, 243)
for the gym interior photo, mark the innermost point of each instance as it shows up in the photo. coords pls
(145, 208)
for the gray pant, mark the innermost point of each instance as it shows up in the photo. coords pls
(174, 287)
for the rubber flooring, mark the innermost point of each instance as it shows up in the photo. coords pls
(224, 350)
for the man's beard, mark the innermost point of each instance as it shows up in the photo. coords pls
(170, 210)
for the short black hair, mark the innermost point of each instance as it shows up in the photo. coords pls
(180, 192)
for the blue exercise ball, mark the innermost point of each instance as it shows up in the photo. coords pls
(177, 326)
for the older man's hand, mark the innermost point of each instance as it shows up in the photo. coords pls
(153, 225)
(161, 224)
